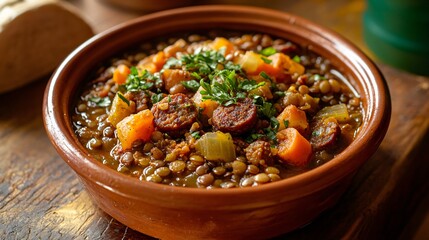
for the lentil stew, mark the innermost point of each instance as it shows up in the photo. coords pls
(220, 110)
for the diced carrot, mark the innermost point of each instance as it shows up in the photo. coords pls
(283, 61)
(159, 60)
(293, 148)
(150, 67)
(153, 63)
(139, 126)
(121, 73)
(119, 110)
(294, 117)
(221, 42)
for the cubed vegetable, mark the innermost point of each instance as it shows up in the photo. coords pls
(216, 146)
(220, 43)
(338, 111)
(282, 61)
(293, 117)
(153, 63)
(139, 126)
(121, 73)
(121, 108)
(293, 148)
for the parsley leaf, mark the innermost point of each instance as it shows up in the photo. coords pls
(226, 87)
(101, 102)
(156, 97)
(191, 85)
(143, 81)
(123, 98)
(268, 51)
(297, 59)
(266, 60)
(196, 135)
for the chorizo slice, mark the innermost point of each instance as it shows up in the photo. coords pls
(174, 112)
(237, 118)
(325, 133)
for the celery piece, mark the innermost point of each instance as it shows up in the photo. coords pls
(216, 146)
(338, 111)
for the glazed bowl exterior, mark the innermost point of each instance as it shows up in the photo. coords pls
(188, 213)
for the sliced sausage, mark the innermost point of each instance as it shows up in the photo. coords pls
(141, 98)
(237, 118)
(173, 113)
(325, 133)
(259, 153)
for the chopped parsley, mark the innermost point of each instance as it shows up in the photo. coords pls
(101, 102)
(196, 135)
(268, 51)
(226, 87)
(265, 75)
(191, 85)
(156, 97)
(297, 59)
(286, 123)
(123, 98)
(143, 81)
(317, 77)
(266, 60)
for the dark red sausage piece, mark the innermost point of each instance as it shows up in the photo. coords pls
(174, 112)
(237, 118)
(325, 133)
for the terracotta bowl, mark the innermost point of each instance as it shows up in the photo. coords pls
(185, 213)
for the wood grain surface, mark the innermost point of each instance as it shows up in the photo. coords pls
(42, 198)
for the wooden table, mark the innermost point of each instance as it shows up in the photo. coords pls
(41, 197)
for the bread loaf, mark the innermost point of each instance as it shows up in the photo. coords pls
(35, 36)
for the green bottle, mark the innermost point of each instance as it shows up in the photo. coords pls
(397, 31)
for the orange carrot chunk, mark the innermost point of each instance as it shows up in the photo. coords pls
(120, 74)
(139, 126)
(293, 117)
(293, 148)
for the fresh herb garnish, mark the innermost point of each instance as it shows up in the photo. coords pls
(191, 85)
(172, 63)
(268, 51)
(228, 89)
(317, 77)
(266, 60)
(143, 81)
(123, 98)
(156, 97)
(196, 135)
(286, 123)
(297, 59)
(101, 102)
(279, 93)
(205, 63)
(264, 75)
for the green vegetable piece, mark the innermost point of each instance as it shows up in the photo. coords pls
(266, 60)
(101, 102)
(268, 51)
(191, 85)
(216, 146)
(297, 59)
(338, 111)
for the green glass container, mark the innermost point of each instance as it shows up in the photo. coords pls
(397, 31)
